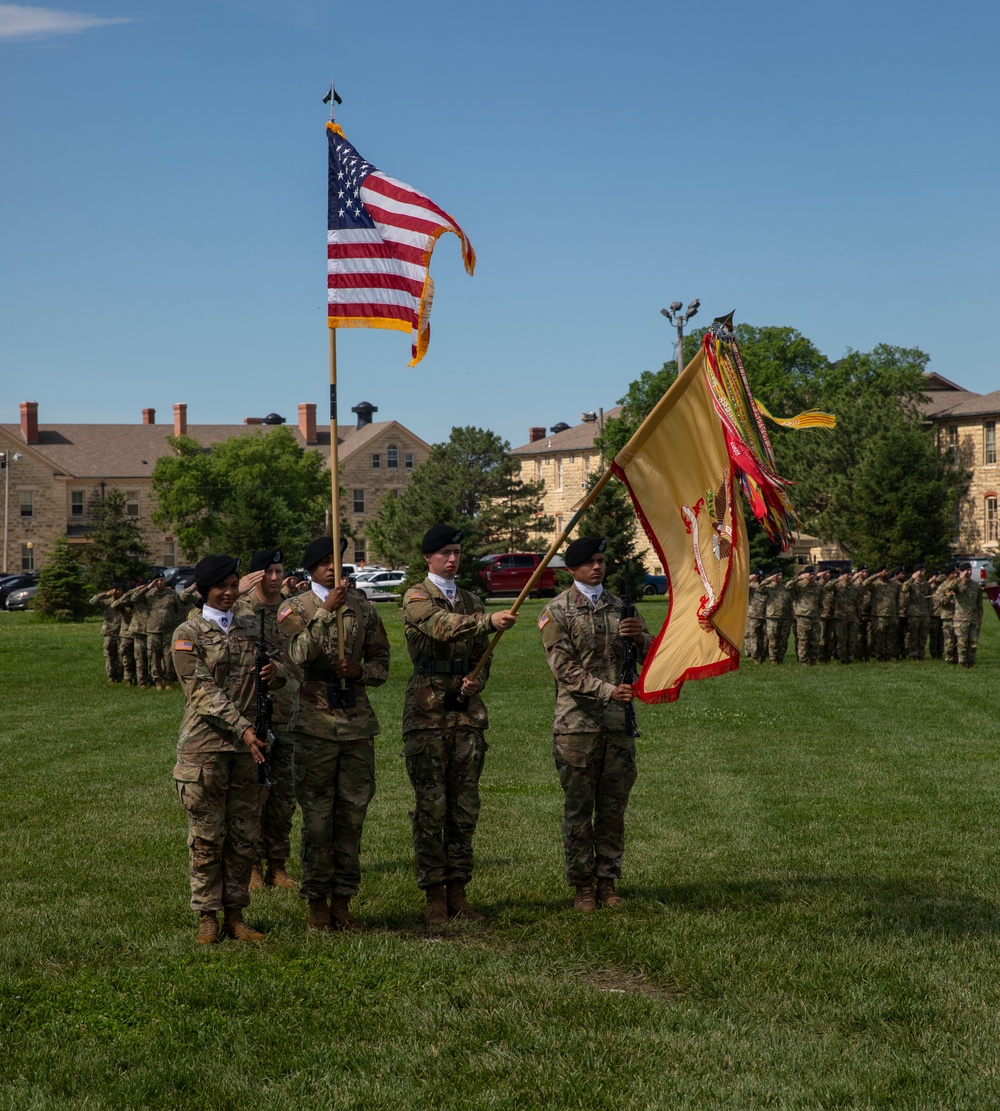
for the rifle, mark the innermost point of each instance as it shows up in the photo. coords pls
(630, 669)
(265, 706)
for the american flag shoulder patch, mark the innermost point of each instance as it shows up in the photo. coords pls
(183, 646)
(284, 612)
(543, 620)
(419, 594)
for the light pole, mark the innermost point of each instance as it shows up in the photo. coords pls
(678, 318)
(7, 459)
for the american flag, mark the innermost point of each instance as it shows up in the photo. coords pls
(380, 235)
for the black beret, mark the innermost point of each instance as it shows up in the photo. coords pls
(213, 569)
(918, 567)
(965, 567)
(263, 559)
(882, 568)
(319, 549)
(439, 537)
(582, 549)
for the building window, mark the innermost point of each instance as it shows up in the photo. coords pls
(408, 460)
(953, 443)
(990, 442)
(76, 507)
(559, 463)
(992, 533)
(572, 457)
(392, 457)
(376, 461)
(27, 557)
(360, 545)
(359, 501)
(131, 503)
(586, 463)
(27, 503)
(169, 553)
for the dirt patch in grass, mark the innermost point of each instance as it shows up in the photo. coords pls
(617, 981)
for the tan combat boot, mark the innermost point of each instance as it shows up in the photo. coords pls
(340, 914)
(208, 928)
(233, 926)
(585, 900)
(277, 876)
(606, 894)
(256, 878)
(459, 906)
(319, 916)
(436, 911)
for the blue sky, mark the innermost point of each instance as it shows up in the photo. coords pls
(831, 167)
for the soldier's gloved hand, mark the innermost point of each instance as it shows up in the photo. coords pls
(630, 627)
(347, 669)
(248, 582)
(471, 686)
(255, 744)
(268, 671)
(622, 693)
(503, 619)
(335, 599)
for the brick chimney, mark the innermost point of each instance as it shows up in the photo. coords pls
(29, 421)
(307, 422)
(180, 419)
(253, 420)
(535, 434)
(149, 416)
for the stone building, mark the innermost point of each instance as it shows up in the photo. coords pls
(52, 472)
(965, 426)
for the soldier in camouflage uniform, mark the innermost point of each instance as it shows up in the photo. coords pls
(827, 617)
(583, 633)
(914, 603)
(444, 719)
(753, 640)
(122, 606)
(846, 602)
(885, 614)
(968, 619)
(805, 592)
(110, 625)
(899, 645)
(864, 612)
(779, 617)
(935, 625)
(261, 590)
(136, 598)
(333, 732)
(218, 751)
(164, 614)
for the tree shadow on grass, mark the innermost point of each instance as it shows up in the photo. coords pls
(920, 905)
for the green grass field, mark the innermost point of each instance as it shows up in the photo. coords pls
(813, 917)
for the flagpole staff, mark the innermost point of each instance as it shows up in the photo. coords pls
(553, 549)
(333, 98)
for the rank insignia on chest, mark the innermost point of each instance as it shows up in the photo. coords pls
(284, 612)
(543, 620)
(183, 646)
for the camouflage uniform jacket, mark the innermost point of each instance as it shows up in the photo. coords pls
(805, 597)
(828, 599)
(190, 600)
(885, 596)
(779, 601)
(311, 635)
(111, 618)
(140, 611)
(586, 655)
(758, 602)
(123, 607)
(164, 610)
(913, 599)
(847, 600)
(285, 698)
(444, 645)
(216, 671)
(968, 599)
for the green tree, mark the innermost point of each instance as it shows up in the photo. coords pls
(611, 515)
(246, 493)
(117, 550)
(62, 590)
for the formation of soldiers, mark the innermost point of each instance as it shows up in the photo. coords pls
(318, 652)
(860, 615)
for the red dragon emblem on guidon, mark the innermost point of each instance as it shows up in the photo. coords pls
(722, 543)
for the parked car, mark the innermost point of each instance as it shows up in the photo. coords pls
(173, 574)
(20, 599)
(654, 584)
(509, 572)
(379, 586)
(16, 582)
(982, 566)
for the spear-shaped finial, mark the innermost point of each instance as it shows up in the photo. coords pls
(332, 98)
(723, 325)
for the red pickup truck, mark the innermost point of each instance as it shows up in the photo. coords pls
(509, 572)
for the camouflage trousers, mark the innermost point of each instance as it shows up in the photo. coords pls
(334, 783)
(883, 638)
(278, 807)
(847, 640)
(112, 660)
(916, 636)
(158, 658)
(127, 658)
(827, 639)
(219, 790)
(444, 766)
(753, 640)
(139, 651)
(807, 630)
(778, 631)
(597, 771)
(935, 638)
(966, 642)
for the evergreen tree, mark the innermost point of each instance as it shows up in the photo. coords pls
(611, 515)
(117, 550)
(62, 591)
